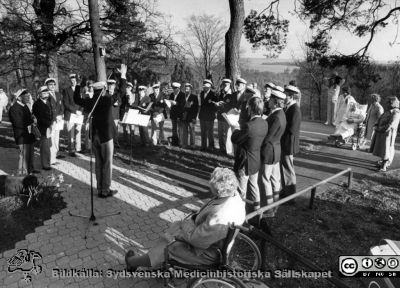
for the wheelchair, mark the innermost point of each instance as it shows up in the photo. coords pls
(357, 140)
(239, 253)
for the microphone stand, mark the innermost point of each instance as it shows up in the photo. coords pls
(92, 217)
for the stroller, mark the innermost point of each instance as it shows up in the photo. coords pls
(357, 140)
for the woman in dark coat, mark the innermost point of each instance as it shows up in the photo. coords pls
(382, 144)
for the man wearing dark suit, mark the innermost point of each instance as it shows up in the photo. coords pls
(74, 130)
(45, 111)
(270, 175)
(127, 103)
(189, 117)
(55, 131)
(103, 130)
(158, 114)
(143, 103)
(207, 115)
(22, 121)
(223, 106)
(290, 142)
(116, 108)
(249, 139)
(177, 99)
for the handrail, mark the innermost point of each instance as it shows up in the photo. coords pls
(334, 280)
(297, 194)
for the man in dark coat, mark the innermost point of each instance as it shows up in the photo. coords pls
(55, 130)
(270, 175)
(189, 117)
(177, 100)
(158, 114)
(223, 106)
(290, 142)
(45, 111)
(70, 107)
(117, 95)
(143, 103)
(249, 139)
(102, 130)
(22, 121)
(207, 115)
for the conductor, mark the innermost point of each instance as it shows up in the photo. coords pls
(102, 130)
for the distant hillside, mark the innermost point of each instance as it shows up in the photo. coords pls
(264, 64)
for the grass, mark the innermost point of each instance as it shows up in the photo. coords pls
(343, 222)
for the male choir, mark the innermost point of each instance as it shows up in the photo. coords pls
(263, 141)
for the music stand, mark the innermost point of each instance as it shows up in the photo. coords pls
(92, 217)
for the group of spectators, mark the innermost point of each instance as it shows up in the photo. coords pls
(43, 120)
(380, 122)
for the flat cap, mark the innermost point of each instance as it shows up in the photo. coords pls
(142, 87)
(157, 85)
(278, 88)
(20, 92)
(269, 85)
(278, 94)
(49, 80)
(241, 80)
(72, 76)
(226, 80)
(176, 85)
(99, 85)
(43, 89)
(188, 85)
(129, 84)
(292, 89)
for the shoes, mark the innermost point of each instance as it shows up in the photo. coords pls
(72, 154)
(47, 168)
(110, 193)
(326, 123)
(60, 156)
(129, 254)
(55, 163)
(35, 171)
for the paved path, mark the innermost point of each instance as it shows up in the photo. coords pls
(150, 197)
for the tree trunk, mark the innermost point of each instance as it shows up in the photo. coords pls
(312, 106)
(51, 64)
(232, 39)
(97, 40)
(18, 71)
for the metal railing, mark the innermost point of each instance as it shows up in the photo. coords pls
(312, 188)
(334, 280)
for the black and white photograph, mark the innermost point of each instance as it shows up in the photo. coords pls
(200, 143)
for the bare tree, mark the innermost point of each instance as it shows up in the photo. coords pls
(203, 42)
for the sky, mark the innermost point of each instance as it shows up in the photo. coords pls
(380, 49)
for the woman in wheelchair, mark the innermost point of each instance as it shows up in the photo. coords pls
(196, 239)
(351, 119)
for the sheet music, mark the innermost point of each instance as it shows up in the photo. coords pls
(76, 119)
(232, 119)
(159, 118)
(133, 117)
(128, 116)
(60, 125)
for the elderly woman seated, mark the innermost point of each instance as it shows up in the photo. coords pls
(200, 235)
(351, 119)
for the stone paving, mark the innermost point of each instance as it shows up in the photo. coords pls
(147, 202)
